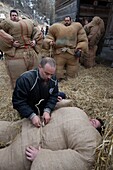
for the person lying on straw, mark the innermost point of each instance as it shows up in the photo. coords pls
(68, 142)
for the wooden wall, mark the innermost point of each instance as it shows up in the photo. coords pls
(64, 8)
(107, 47)
(90, 9)
(82, 8)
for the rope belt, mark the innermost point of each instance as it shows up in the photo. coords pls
(25, 46)
(64, 49)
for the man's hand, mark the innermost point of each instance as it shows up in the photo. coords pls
(36, 121)
(59, 98)
(31, 153)
(33, 43)
(77, 53)
(52, 43)
(46, 117)
(16, 44)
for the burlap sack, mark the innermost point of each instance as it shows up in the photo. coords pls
(38, 37)
(25, 57)
(73, 37)
(58, 160)
(22, 31)
(95, 30)
(66, 65)
(13, 156)
(89, 60)
(63, 103)
(68, 143)
(6, 41)
(71, 141)
(8, 132)
(24, 60)
(15, 67)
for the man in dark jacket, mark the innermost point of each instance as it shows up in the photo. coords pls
(36, 92)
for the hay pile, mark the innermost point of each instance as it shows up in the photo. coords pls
(6, 109)
(104, 153)
(91, 91)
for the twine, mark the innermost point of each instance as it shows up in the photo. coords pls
(42, 122)
(51, 50)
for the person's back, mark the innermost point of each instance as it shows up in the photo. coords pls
(94, 30)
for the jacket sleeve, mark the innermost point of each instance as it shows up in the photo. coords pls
(51, 103)
(20, 95)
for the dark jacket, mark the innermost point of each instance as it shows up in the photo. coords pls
(30, 90)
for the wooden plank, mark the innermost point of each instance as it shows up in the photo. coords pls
(107, 48)
(67, 8)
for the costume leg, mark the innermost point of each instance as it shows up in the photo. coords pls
(90, 59)
(31, 59)
(13, 157)
(15, 68)
(60, 64)
(72, 65)
(8, 132)
(24, 60)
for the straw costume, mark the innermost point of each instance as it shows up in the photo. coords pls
(67, 142)
(68, 39)
(24, 57)
(94, 30)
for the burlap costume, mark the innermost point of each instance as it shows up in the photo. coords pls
(67, 40)
(68, 142)
(23, 58)
(94, 30)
